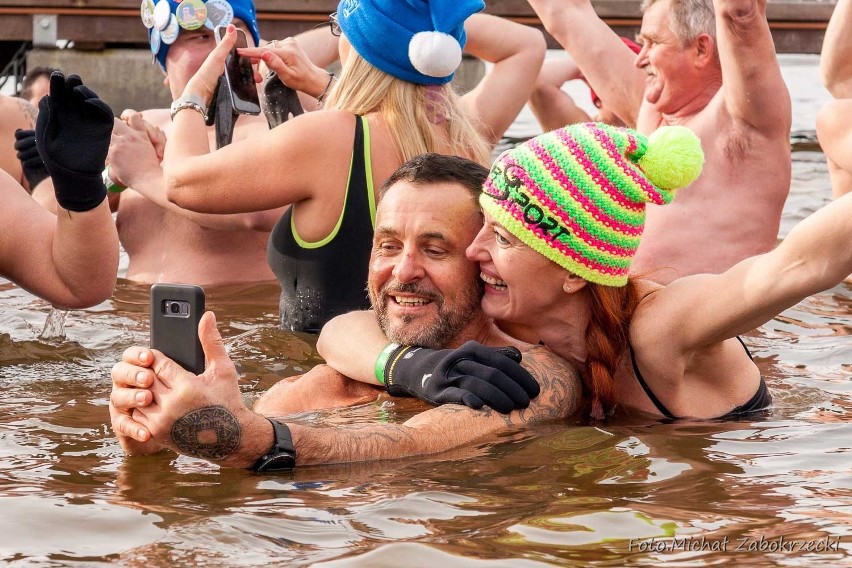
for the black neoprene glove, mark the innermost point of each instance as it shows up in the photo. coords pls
(31, 162)
(473, 375)
(73, 133)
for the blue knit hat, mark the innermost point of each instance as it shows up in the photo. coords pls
(419, 41)
(166, 18)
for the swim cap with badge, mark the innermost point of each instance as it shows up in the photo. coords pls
(166, 18)
(419, 41)
(577, 195)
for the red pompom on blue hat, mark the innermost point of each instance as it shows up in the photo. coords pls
(419, 41)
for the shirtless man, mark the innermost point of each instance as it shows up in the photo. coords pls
(425, 291)
(164, 242)
(719, 78)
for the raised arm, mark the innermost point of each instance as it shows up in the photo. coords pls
(552, 107)
(517, 52)
(273, 169)
(754, 90)
(815, 256)
(835, 60)
(606, 63)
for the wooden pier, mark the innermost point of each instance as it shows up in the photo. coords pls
(797, 25)
(110, 49)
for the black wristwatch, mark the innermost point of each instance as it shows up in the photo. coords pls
(282, 455)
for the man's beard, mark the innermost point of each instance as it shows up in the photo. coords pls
(440, 330)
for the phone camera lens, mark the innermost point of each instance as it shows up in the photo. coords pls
(174, 308)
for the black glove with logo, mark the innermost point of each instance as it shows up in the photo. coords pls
(31, 162)
(72, 134)
(473, 375)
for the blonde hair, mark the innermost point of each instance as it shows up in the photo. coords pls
(410, 110)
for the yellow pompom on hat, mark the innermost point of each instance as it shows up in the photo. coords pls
(577, 194)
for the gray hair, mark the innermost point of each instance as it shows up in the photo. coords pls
(688, 18)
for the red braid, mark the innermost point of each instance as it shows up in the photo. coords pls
(606, 339)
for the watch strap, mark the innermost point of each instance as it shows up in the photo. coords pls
(282, 454)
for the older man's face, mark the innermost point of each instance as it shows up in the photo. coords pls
(422, 287)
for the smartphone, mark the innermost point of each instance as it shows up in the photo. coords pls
(175, 312)
(239, 76)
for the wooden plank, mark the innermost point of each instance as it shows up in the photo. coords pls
(111, 21)
(776, 10)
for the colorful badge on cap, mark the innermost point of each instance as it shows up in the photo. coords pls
(219, 13)
(191, 14)
(155, 41)
(162, 14)
(147, 11)
(170, 32)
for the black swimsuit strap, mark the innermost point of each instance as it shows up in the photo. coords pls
(759, 401)
(660, 406)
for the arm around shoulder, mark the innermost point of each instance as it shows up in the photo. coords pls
(445, 427)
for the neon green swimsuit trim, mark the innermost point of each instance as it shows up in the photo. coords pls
(370, 194)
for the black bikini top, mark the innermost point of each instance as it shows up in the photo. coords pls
(760, 401)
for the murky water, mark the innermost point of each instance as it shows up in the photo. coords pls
(770, 492)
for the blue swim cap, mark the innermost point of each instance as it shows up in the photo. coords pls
(191, 15)
(419, 41)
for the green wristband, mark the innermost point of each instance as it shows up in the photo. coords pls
(111, 185)
(382, 361)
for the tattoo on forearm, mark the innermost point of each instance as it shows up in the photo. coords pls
(212, 433)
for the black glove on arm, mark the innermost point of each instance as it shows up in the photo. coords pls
(73, 133)
(31, 162)
(473, 375)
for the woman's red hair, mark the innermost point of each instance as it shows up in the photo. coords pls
(606, 341)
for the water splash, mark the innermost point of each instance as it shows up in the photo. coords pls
(54, 325)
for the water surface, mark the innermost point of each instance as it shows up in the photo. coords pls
(621, 494)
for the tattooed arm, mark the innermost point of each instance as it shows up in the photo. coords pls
(204, 416)
(445, 427)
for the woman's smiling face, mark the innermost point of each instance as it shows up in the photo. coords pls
(521, 285)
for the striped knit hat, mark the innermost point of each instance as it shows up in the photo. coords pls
(577, 195)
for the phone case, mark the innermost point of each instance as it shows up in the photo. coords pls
(239, 77)
(176, 334)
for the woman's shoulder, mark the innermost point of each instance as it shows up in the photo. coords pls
(321, 125)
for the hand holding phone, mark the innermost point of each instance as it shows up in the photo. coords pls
(175, 312)
(239, 76)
